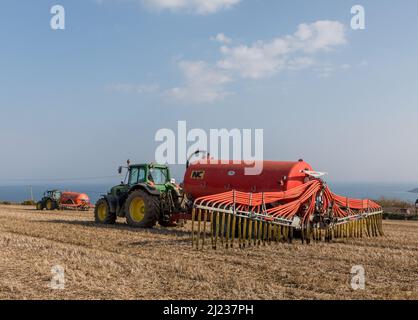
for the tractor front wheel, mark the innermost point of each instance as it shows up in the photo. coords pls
(50, 205)
(39, 206)
(102, 213)
(142, 209)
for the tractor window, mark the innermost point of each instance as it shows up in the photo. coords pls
(56, 195)
(158, 176)
(137, 175)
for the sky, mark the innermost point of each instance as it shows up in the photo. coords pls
(76, 103)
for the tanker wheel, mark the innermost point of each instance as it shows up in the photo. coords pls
(142, 209)
(39, 206)
(50, 205)
(102, 213)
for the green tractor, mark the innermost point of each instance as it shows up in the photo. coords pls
(147, 196)
(50, 200)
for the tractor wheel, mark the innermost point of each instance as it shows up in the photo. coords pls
(142, 209)
(50, 205)
(39, 206)
(102, 213)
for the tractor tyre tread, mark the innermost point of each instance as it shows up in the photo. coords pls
(54, 205)
(110, 217)
(152, 211)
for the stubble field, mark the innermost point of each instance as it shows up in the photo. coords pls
(118, 262)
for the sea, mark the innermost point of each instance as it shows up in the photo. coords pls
(21, 192)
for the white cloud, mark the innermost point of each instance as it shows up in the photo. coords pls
(202, 7)
(327, 71)
(206, 82)
(202, 83)
(222, 38)
(320, 36)
(264, 59)
(299, 63)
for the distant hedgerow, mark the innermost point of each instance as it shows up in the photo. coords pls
(393, 203)
(28, 203)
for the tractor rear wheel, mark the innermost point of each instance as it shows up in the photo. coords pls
(39, 206)
(102, 213)
(142, 209)
(50, 204)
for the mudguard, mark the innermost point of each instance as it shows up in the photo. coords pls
(145, 187)
(112, 201)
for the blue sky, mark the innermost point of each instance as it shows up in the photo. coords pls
(78, 102)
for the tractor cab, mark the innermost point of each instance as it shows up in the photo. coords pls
(153, 175)
(53, 194)
(146, 196)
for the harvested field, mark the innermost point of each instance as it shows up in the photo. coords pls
(118, 262)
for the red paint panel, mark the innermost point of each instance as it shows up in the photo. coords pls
(208, 179)
(74, 198)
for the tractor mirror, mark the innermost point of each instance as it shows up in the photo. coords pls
(120, 170)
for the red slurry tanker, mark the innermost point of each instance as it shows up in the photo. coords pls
(55, 199)
(209, 179)
(286, 200)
